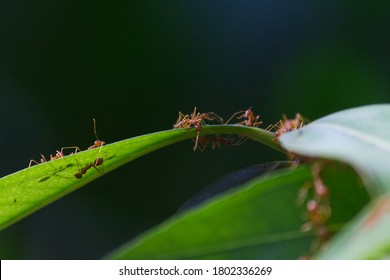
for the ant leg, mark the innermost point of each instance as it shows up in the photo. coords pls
(202, 143)
(275, 126)
(78, 164)
(193, 114)
(60, 154)
(211, 116)
(271, 127)
(182, 121)
(203, 148)
(33, 161)
(240, 141)
(242, 123)
(43, 159)
(196, 141)
(216, 144)
(179, 120)
(235, 114)
(81, 170)
(256, 124)
(76, 149)
(303, 193)
(99, 161)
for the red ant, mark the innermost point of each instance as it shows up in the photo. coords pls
(197, 121)
(318, 209)
(43, 159)
(59, 154)
(215, 142)
(287, 125)
(97, 162)
(97, 143)
(249, 120)
(248, 116)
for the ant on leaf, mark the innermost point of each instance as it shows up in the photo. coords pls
(83, 170)
(318, 208)
(249, 120)
(215, 142)
(287, 125)
(196, 120)
(59, 154)
(97, 162)
(248, 116)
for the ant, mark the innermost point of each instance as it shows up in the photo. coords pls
(59, 154)
(33, 161)
(287, 125)
(215, 142)
(97, 143)
(249, 120)
(318, 208)
(97, 162)
(248, 116)
(197, 121)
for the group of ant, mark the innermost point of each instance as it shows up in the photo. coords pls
(81, 170)
(245, 117)
(318, 209)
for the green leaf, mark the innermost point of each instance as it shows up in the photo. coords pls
(359, 137)
(233, 180)
(242, 224)
(260, 220)
(367, 237)
(30, 189)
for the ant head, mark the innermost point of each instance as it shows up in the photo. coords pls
(320, 189)
(248, 112)
(198, 127)
(98, 161)
(193, 114)
(312, 206)
(57, 156)
(99, 143)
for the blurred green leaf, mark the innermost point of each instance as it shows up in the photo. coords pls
(257, 221)
(359, 137)
(233, 180)
(260, 220)
(367, 237)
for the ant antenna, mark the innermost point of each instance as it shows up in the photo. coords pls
(97, 143)
(94, 128)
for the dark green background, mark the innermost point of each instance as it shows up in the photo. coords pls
(134, 64)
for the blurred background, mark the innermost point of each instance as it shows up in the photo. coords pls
(134, 65)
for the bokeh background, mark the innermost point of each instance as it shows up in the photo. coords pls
(134, 64)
